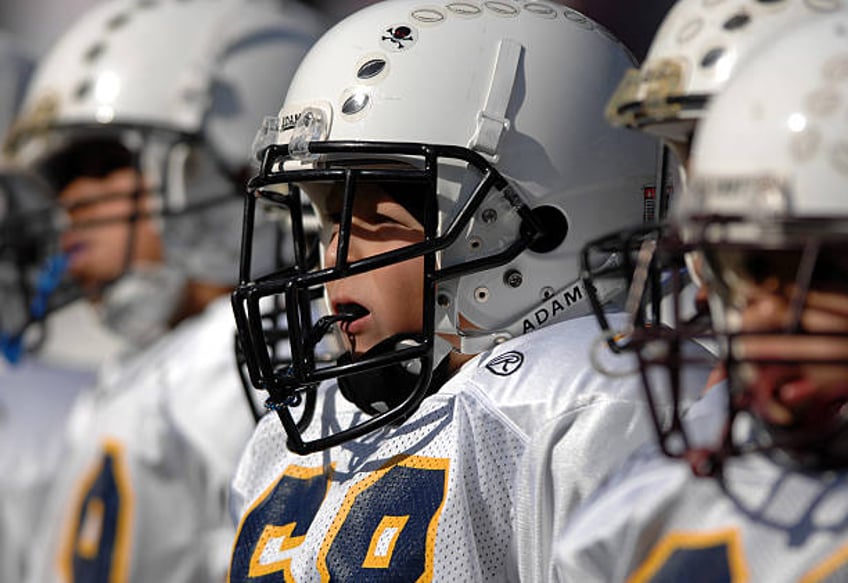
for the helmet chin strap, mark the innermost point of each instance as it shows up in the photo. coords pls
(379, 390)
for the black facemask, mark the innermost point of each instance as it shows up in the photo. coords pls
(379, 390)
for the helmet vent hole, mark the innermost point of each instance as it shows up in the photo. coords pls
(501, 8)
(540, 9)
(578, 19)
(371, 69)
(690, 30)
(712, 57)
(117, 21)
(464, 9)
(94, 52)
(83, 89)
(355, 103)
(554, 229)
(737, 21)
(428, 15)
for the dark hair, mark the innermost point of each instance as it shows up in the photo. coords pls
(95, 157)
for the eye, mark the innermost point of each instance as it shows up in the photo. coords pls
(383, 219)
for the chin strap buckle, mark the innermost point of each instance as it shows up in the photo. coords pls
(492, 120)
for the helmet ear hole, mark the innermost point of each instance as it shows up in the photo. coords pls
(554, 229)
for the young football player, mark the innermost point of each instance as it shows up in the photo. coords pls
(458, 158)
(760, 491)
(695, 52)
(29, 426)
(141, 118)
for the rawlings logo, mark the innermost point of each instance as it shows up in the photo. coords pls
(505, 364)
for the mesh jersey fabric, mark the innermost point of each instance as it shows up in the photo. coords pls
(654, 520)
(440, 496)
(140, 492)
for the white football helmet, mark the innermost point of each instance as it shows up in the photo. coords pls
(767, 206)
(493, 112)
(693, 54)
(698, 47)
(181, 86)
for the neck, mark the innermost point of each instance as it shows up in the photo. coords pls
(456, 360)
(196, 297)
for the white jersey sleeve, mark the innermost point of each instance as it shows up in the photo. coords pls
(436, 499)
(140, 493)
(593, 422)
(656, 521)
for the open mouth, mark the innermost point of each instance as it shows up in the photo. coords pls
(74, 249)
(345, 314)
(350, 312)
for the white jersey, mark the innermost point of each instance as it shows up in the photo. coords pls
(35, 399)
(656, 521)
(140, 494)
(437, 498)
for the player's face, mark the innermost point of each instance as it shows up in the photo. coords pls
(100, 233)
(796, 387)
(392, 295)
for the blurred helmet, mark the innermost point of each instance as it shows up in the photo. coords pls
(698, 48)
(21, 247)
(767, 210)
(694, 53)
(488, 116)
(174, 88)
(15, 70)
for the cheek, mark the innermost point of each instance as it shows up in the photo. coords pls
(831, 379)
(402, 287)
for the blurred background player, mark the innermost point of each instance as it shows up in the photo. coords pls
(695, 52)
(457, 163)
(761, 492)
(141, 118)
(35, 395)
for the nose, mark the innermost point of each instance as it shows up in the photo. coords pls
(355, 246)
(330, 252)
